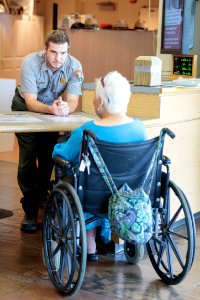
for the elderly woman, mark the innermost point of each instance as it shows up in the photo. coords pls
(111, 100)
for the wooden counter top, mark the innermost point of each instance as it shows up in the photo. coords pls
(22, 121)
(19, 121)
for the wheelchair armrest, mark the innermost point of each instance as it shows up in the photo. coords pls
(61, 163)
(166, 160)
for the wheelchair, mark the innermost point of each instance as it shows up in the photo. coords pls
(171, 248)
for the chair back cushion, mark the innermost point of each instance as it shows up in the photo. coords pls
(127, 163)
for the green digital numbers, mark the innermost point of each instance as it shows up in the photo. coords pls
(182, 65)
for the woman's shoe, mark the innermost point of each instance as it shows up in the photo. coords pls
(92, 257)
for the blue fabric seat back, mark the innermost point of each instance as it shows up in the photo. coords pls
(127, 163)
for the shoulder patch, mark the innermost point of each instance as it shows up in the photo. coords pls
(78, 75)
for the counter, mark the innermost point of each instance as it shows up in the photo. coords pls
(177, 108)
(26, 121)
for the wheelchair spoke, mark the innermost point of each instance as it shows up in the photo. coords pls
(169, 260)
(58, 212)
(160, 250)
(160, 253)
(174, 218)
(54, 254)
(56, 229)
(61, 269)
(69, 264)
(68, 248)
(55, 251)
(176, 251)
(181, 236)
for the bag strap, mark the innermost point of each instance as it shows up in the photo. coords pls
(102, 167)
(152, 166)
(106, 174)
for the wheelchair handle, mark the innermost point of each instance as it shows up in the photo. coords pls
(91, 133)
(60, 162)
(169, 132)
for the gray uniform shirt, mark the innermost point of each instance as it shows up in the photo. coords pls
(38, 79)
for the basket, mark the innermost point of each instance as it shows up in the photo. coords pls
(147, 71)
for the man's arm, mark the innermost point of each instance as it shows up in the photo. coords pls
(59, 107)
(72, 101)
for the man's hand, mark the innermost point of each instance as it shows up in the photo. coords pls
(60, 107)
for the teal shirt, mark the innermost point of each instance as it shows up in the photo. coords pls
(124, 133)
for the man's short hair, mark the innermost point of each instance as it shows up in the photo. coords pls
(57, 37)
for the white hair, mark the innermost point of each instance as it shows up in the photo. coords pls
(114, 90)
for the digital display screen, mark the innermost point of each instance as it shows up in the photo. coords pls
(183, 65)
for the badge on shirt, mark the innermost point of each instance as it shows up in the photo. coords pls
(79, 75)
(63, 80)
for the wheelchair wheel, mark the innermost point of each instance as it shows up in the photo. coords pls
(64, 239)
(133, 253)
(172, 251)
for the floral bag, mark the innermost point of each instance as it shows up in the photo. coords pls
(130, 215)
(129, 211)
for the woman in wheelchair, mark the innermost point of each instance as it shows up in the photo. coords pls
(69, 238)
(112, 95)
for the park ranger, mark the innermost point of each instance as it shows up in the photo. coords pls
(50, 83)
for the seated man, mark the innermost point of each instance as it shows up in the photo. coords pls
(112, 94)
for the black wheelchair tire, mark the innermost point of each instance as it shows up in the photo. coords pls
(193, 225)
(164, 245)
(134, 253)
(72, 257)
